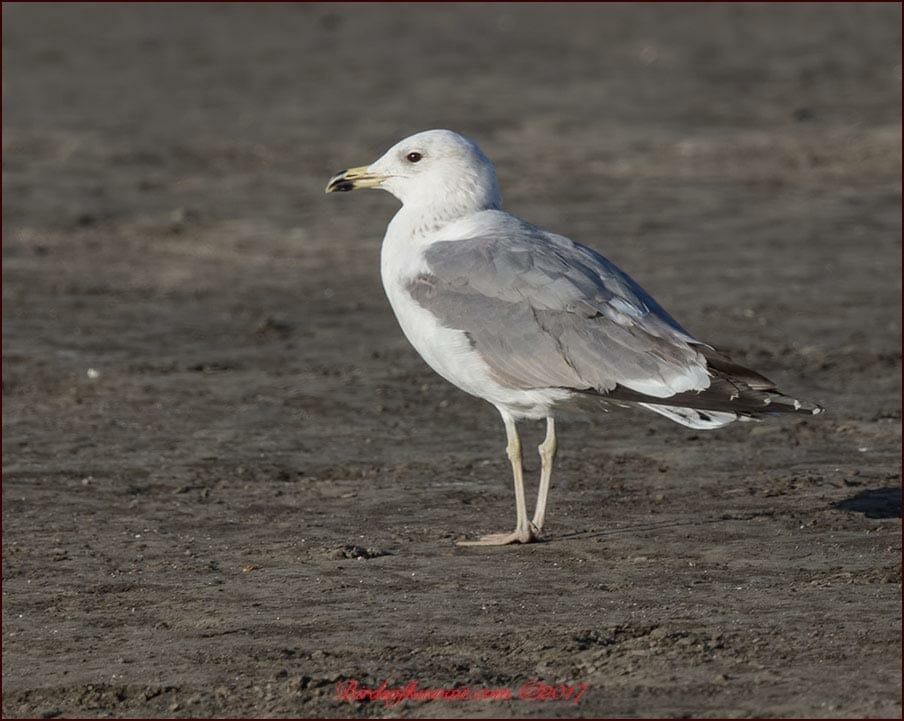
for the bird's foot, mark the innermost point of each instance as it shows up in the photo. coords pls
(527, 535)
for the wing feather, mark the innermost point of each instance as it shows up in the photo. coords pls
(545, 312)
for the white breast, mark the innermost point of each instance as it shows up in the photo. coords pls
(446, 350)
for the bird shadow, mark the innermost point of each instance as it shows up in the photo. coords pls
(873, 503)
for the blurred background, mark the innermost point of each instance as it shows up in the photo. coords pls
(188, 319)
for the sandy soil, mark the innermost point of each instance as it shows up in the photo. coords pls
(229, 484)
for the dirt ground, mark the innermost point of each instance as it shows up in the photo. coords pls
(230, 484)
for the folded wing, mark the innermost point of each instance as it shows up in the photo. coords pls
(543, 311)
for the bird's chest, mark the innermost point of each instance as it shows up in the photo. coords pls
(448, 351)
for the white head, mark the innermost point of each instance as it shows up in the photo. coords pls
(437, 171)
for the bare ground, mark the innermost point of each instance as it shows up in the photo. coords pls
(229, 484)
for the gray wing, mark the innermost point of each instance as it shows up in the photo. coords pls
(543, 311)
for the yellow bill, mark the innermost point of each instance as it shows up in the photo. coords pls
(352, 179)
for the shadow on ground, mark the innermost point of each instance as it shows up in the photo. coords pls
(874, 503)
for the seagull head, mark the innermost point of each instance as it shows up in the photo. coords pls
(436, 170)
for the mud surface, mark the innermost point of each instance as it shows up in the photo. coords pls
(229, 484)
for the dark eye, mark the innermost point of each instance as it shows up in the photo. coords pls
(413, 157)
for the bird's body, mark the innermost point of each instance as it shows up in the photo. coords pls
(531, 321)
(448, 350)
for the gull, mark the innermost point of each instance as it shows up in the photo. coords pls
(531, 321)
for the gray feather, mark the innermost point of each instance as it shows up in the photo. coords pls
(543, 311)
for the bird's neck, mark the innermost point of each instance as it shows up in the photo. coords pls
(413, 223)
(423, 220)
